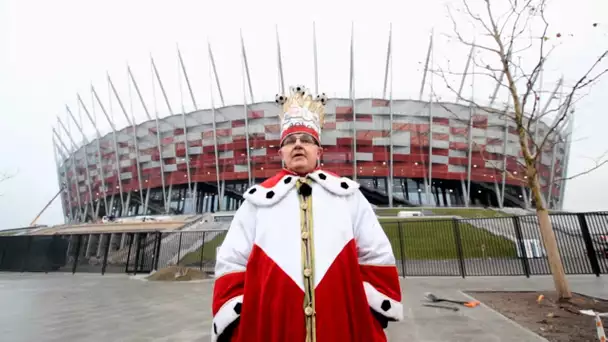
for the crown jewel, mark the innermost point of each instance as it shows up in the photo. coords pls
(301, 113)
(301, 98)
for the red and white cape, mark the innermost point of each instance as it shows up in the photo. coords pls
(259, 289)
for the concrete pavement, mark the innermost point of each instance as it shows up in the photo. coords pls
(65, 307)
(481, 323)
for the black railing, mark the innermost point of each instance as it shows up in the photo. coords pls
(422, 247)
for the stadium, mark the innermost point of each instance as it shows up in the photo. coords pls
(218, 159)
(446, 178)
(403, 152)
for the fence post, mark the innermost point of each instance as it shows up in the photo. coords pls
(159, 237)
(106, 250)
(202, 250)
(179, 249)
(458, 242)
(595, 265)
(402, 248)
(78, 243)
(131, 238)
(137, 247)
(522, 247)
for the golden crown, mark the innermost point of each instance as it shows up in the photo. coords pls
(300, 97)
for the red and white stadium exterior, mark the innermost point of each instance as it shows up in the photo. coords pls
(218, 152)
(403, 152)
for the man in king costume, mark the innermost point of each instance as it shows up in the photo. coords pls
(305, 258)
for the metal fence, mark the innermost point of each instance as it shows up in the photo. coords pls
(422, 247)
(498, 246)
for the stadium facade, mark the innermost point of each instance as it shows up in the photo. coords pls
(218, 152)
(403, 152)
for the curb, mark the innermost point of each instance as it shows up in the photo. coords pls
(528, 331)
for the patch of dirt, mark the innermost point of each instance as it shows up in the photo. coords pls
(176, 273)
(553, 320)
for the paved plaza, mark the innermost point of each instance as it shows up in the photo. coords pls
(91, 307)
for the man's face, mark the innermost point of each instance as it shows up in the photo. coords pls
(300, 153)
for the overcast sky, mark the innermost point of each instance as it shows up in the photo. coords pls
(52, 50)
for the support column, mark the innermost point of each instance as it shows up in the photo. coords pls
(246, 115)
(112, 241)
(103, 240)
(525, 195)
(552, 174)
(185, 133)
(101, 173)
(429, 188)
(504, 160)
(91, 245)
(470, 126)
(125, 211)
(123, 240)
(168, 199)
(131, 122)
(353, 101)
(97, 208)
(248, 78)
(565, 160)
(116, 150)
(497, 191)
(84, 148)
(72, 160)
(85, 243)
(465, 193)
(279, 64)
(190, 205)
(86, 211)
(59, 181)
(470, 156)
(72, 244)
(215, 147)
(110, 210)
(389, 60)
(147, 201)
(143, 104)
(222, 198)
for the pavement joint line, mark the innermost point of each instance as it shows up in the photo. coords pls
(144, 278)
(512, 322)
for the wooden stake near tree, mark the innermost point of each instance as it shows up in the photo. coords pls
(519, 30)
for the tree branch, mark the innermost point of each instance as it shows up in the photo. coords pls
(583, 82)
(597, 166)
(4, 177)
(476, 17)
(461, 39)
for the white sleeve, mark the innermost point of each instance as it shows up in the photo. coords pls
(234, 251)
(376, 263)
(231, 262)
(374, 247)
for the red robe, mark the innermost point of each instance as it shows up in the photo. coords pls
(259, 293)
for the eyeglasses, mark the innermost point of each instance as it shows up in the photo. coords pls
(305, 139)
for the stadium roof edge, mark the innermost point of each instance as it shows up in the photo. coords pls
(121, 130)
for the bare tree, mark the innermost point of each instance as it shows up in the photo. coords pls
(5, 177)
(505, 33)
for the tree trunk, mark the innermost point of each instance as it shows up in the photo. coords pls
(548, 235)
